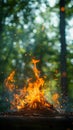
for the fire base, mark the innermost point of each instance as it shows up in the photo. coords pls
(35, 120)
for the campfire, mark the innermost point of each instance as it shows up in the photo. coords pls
(32, 96)
(30, 109)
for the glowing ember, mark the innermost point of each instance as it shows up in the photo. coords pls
(31, 96)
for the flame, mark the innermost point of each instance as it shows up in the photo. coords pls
(55, 98)
(31, 96)
(9, 81)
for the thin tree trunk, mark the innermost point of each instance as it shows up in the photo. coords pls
(1, 41)
(1, 22)
(63, 52)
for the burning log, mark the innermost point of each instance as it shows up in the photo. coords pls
(40, 110)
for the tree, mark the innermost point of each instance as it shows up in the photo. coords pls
(63, 52)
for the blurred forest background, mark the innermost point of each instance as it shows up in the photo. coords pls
(31, 29)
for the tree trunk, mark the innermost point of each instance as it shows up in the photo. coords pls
(63, 53)
(1, 41)
(1, 22)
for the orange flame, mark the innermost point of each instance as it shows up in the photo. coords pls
(9, 81)
(55, 98)
(31, 96)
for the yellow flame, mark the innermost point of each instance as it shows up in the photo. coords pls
(33, 95)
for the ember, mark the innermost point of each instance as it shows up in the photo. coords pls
(32, 96)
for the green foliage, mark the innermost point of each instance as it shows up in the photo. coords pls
(30, 29)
